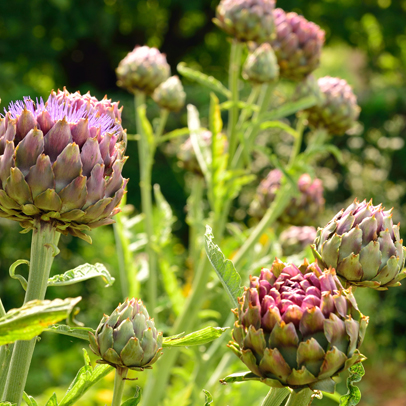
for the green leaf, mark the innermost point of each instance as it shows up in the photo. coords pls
(289, 108)
(208, 399)
(280, 125)
(77, 332)
(200, 337)
(82, 273)
(164, 220)
(33, 318)
(29, 400)
(85, 378)
(171, 285)
(240, 377)
(240, 104)
(20, 278)
(135, 399)
(7, 404)
(224, 268)
(205, 80)
(353, 396)
(52, 401)
(180, 132)
(146, 125)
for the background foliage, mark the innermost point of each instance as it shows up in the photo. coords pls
(56, 43)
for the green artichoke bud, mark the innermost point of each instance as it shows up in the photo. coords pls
(143, 69)
(247, 20)
(297, 327)
(297, 45)
(295, 239)
(61, 162)
(127, 338)
(364, 245)
(170, 95)
(302, 210)
(339, 111)
(261, 65)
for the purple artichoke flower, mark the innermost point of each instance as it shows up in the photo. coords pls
(61, 162)
(338, 111)
(247, 20)
(297, 45)
(261, 65)
(295, 239)
(142, 70)
(364, 245)
(170, 95)
(297, 327)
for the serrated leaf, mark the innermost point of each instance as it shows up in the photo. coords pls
(353, 396)
(77, 332)
(29, 400)
(164, 219)
(52, 401)
(208, 399)
(224, 268)
(33, 318)
(205, 80)
(135, 399)
(82, 273)
(85, 378)
(200, 337)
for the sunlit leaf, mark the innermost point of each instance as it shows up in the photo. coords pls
(200, 337)
(208, 399)
(52, 401)
(77, 332)
(135, 399)
(29, 400)
(288, 109)
(353, 396)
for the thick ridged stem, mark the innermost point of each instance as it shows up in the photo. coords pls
(43, 249)
(302, 398)
(119, 383)
(275, 396)
(146, 158)
(234, 73)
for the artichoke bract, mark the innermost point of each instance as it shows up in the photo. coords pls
(302, 210)
(363, 245)
(142, 70)
(170, 95)
(61, 162)
(247, 20)
(297, 45)
(261, 65)
(127, 338)
(297, 327)
(295, 239)
(338, 111)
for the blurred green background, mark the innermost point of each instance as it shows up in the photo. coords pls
(49, 44)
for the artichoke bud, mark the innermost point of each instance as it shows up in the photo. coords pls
(298, 329)
(261, 65)
(338, 111)
(142, 70)
(308, 87)
(170, 95)
(297, 45)
(295, 239)
(127, 338)
(302, 210)
(61, 162)
(247, 20)
(363, 245)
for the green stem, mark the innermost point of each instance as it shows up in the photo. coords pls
(162, 122)
(117, 227)
(234, 72)
(5, 357)
(146, 156)
(302, 398)
(298, 140)
(44, 241)
(275, 396)
(119, 382)
(252, 98)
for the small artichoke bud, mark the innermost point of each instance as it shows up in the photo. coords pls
(127, 338)
(247, 20)
(298, 327)
(363, 245)
(297, 45)
(261, 65)
(308, 87)
(143, 69)
(170, 95)
(294, 239)
(339, 111)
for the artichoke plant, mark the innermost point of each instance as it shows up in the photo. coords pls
(261, 65)
(170, 95)
(308, 87)
(297, 45)
(142, 70)
(127, 338)
(363, 245)
(295, 239)
(247, 20)
(61, 162)
(297, 327)
(338, 111)
(302, 210)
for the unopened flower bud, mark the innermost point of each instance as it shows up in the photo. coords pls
(261, 65)
(170, 94)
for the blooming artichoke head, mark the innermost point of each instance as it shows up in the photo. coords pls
(261, 65)
(61, 162)
(364, 245)
(170, 95)
(127, 338)
(247, 20)
(297, 327)
(297, 45)
(143, 70)
(338, 111)
(295, 239)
